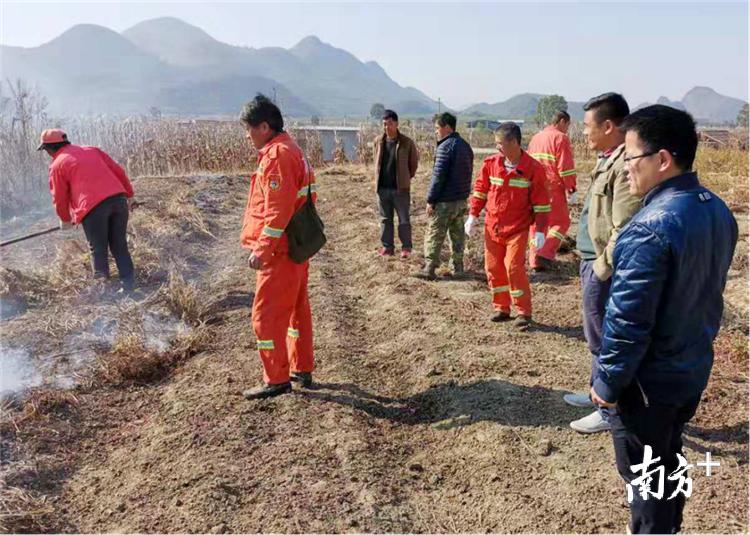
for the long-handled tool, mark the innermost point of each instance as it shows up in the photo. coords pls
(29, 236)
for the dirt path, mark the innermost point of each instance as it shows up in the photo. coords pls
(426, 416)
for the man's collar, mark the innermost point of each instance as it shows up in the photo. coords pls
(685, 181)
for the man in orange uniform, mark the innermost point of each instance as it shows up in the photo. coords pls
(512, 186)
(281, 310)
(551, 147)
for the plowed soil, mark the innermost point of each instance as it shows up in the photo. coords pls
(425, 416)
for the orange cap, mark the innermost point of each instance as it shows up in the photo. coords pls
(52, 135)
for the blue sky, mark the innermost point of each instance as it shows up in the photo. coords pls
(465, 52)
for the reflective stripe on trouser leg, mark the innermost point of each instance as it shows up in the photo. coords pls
(497, 276)
(559, 222)
(515, 264)
(300, 334)
(276, 292)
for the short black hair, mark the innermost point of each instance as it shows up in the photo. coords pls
(390, 114)
(262, 109)
(608, 107)
(509, 130)
(446, 119)
(54, 147)
(560, 115)
(664, 127)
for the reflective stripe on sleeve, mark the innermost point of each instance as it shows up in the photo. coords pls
(273, 232)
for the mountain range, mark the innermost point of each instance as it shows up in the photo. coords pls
(703, 103)
(181, 70)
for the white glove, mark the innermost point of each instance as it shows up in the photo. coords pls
(470, 224)
(538, 240)
(65, 225)
(573, 198)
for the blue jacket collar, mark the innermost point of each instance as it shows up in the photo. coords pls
(683, 182)
(446, 138)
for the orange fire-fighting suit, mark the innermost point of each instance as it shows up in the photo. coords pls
(552, 149)
(281, 310)
(513, 201)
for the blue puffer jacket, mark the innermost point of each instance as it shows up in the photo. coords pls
(451, 174)
(665, 306)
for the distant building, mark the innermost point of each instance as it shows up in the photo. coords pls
(492, 124)
(349, 136)
(715, 138)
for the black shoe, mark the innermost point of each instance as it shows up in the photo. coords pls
(543, 264)
(522, 323)
(501, 315)
(303, 378)
(267, 391)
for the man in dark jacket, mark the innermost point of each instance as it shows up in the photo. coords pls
(396, 161)
(670, 268)
(446, 199)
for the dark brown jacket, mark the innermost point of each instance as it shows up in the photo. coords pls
(407, 160)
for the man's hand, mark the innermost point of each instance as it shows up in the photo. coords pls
(599, 401)
(470, 225)
(66, 225)
(430, 209)
(538, 240)
(254, 262)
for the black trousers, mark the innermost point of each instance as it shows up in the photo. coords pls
(105, 227)
(636, 424)
(390, 201)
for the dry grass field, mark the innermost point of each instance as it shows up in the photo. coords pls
(426, 417)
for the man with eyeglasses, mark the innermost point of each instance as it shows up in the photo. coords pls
(608, 206)
(665, 307)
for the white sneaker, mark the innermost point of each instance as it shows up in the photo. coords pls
(579, 400)
(593, 423)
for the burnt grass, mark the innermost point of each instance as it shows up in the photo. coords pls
(425, 416)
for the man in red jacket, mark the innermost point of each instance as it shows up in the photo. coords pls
(89, 188)
(281, 310)
(551, 147)
(512, 186)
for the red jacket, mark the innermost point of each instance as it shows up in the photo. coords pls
(82, 177)
(513, 200)
(278, 188)
(552, 149)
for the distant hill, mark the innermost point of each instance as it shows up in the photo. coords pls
(703, 103)
(180, 69)
(706, 105)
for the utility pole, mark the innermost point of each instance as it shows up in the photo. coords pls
(440, 106)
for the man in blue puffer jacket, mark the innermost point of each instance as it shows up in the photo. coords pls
(446, 199)
(670, 268)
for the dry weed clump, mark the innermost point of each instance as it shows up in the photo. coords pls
(725, 172)
(188, 215)
(71, 270)
(22, 511)
(131, 362)
(182, 299)
(28, 287)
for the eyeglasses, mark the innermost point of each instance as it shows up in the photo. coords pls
(628, 159)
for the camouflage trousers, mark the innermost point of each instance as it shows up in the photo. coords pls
(448, 217)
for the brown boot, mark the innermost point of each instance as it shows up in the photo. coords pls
(427, 273)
